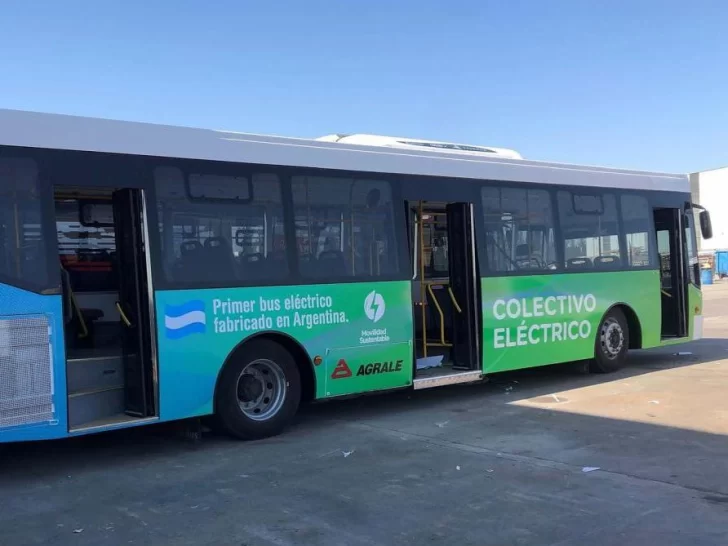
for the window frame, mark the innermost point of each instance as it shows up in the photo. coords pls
(600, 193)
(651, 234)
(399, 223)
(52, 284)
(195, 166)
(481, 230)
(653, 198)
(285, 175)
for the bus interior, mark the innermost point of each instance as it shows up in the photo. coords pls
(102, 261)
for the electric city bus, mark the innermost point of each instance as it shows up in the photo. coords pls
(151, 273)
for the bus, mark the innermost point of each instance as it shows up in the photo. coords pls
(151, 273)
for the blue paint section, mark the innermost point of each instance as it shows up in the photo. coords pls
(15, 302)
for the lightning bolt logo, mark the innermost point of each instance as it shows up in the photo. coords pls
(374, 306)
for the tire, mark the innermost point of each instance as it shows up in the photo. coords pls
(611, 344)
(258, 391)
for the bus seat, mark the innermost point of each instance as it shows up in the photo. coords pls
(307, 265)
(579, 263)
(331, 263)
(523, 252)
(607, 261)
(219, 256)
(254, 266)
(191, 263)
(277, 264)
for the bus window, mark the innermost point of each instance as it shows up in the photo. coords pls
(519, 228)
(434, 240)
(692, 255)
(228, 229)
(87, 244)
(22, 248)
(636, 219)
(591, 230)
(344, 227)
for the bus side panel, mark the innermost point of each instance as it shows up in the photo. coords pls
(362, 332)
(32, 367)
(546, 319)
(695, 312)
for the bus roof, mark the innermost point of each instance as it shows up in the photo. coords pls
(421, 145)
(63, 132)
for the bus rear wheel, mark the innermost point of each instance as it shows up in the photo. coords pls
(259, 391)
(612, 343)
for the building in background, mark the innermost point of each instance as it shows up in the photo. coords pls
(710, 189)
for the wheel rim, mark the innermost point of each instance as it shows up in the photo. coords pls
(261, 389)
(611, 337)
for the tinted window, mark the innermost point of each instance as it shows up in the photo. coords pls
(692, 258)
(519, 227)
(22, 247)
(434, 242)
(221, 229)
(590, 228)
(344, 227)
(636, 221)
(86, 244)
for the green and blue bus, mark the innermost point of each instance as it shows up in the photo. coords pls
(151, 273)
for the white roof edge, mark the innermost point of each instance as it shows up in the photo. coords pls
(66, 132)
(710, 170)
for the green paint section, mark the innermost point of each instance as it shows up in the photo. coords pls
(361, 332)
(695, 307)
(546, 319)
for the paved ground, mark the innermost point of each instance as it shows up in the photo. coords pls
(502, 463)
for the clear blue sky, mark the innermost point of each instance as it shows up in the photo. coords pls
(630, 83)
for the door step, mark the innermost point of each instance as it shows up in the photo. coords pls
(454, 378)
(95, 373)
(119, 420)
(94, 404)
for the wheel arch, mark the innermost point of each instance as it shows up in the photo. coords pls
(634, 325)
(298, 352)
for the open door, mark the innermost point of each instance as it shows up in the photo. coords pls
(133, 304)
(673, 271)
(464, 285)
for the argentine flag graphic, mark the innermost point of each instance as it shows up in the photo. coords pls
(185, 319)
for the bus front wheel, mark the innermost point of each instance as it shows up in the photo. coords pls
(259, 391)
(612, 343)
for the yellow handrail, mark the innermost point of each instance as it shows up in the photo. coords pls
(123, 316)
(423, 295)
(454, 301)
(442, 343)
(65, 279)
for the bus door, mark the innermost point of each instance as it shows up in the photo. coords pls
(133, 303)
(464, 285)
(671, 248)
(446, 293)
(106, 290)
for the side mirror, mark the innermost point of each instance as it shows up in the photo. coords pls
(706, 227)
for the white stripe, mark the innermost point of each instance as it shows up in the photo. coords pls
(175, 323)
